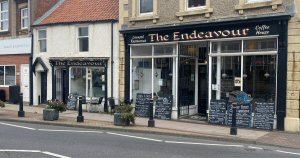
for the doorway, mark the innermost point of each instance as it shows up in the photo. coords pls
(43, 87)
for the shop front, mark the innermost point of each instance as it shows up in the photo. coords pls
(73, 77)
(199, 66)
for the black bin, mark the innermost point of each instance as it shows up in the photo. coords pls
(2, 95)
(14, 92)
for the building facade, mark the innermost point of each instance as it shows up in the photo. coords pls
(15, 47)
(199, 52)
(74, 55)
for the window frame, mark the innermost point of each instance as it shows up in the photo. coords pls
(42, 39)
(24, 18)
(2, 12)
(244, 4)
(187, 8)
(80, 37)
(144, 14)
(4, 75)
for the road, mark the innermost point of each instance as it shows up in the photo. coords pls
(21, 140)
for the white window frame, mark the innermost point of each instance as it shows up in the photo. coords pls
(42, 39)
(2, 12)
(24, 18)
(256, 1)
(144, 14)
(79, 37)
(194, 8)
(4, 85)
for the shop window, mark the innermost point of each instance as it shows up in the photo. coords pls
(195, 4)
(7, 75)
(4, 17)
(78, 81)
(164, 50)
(83, 39)
(145, 7)
(141, 51)
(98, 82)
(24, 18)
(43, 40)
(260, 45)
(227, 47)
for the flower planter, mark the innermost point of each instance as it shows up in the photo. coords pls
(119, 121)
(50, 114)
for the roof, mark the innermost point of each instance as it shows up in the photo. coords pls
(73, 11)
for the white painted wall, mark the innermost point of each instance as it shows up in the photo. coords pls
(62, 42)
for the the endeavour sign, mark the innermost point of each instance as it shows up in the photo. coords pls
(78, 62)
(15, 46)
(202, 33)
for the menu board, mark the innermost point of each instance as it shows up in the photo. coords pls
(163, 107)
(243, 115)
(71, 104)
(142, 104)
(264, 115)
(217, 112)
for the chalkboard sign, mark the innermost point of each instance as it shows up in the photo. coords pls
(217, 112)
(243, 115)
(71, 104)
(264, 115)
(163, 107)
(142, 104)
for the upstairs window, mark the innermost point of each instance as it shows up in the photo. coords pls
(195, 4)
(24, 18)
(4, 16)
(146, 7)
(43, 40)
(83, 39)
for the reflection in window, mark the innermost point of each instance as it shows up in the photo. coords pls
(141, 51)
(146, 6)
(1, 75)
(260, 45)
(227, 47)
(10, 75)
(260, 77)
(163, 76)
(78, 81)
(98, 82)
(141, 77)
(163, 50)
(196, 3)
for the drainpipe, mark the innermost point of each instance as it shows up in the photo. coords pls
(31, 55)
(112, 59)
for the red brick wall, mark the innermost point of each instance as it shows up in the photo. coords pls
(13, 60)
(43, 6)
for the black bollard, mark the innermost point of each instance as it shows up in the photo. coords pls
(151, 122)
(233, 128)
(80, 118)
(21, 113)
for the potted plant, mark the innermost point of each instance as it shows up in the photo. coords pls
(123, 115)
(51, 112)
(2, 104)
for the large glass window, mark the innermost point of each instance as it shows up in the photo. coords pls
(83, 39)
(43, 40)
(151, 73)
(98, 82)
(7, 75)
(146, 6)
(78, 81)
(260, 45)
(4, 16)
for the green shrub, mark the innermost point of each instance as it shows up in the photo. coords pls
(2, 104)
(57, 105)
(126, 112)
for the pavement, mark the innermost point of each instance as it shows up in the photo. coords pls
(34, 114)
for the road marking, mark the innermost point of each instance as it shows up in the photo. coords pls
(23, 151)
(34, 151)
(55, 155)
(53, 130)
(17, 126)
(287, 152)
(156, 140)
(207, 144)
(253, 147)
